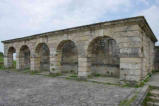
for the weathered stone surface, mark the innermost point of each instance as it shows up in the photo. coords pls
(122, 48)
(156, 60)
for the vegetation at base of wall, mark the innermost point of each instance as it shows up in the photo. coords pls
(54, 74)
(53, 69)
(146, 99)
(105, 83)
(147, 78)
(33, 72)
(155, 71)
(96, 75)
(140, 84)
(73, 75)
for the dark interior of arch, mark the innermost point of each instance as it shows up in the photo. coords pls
(11, 53)
(104, 57)
(24, 58)
(44, 57)
(69, 57)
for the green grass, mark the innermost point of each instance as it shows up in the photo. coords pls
(146, 99)
(14, 64)
(74, 75)
(1, 61)
(54, 74)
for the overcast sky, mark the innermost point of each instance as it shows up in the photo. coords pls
(19, 18)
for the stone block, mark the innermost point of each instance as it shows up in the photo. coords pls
(130, 60)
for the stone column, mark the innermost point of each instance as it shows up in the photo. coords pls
(130, 69)
(130, 65)
(6, 61)
(55, 66)
(18, 61)
(34, 63)
(83, 67)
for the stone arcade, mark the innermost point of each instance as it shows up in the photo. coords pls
(121, 48)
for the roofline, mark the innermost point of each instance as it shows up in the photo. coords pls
(153, 35)
(85, 26)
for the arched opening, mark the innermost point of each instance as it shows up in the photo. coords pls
(11, 57)
(24, 57)
(103, 55)
(67, 56)
(42, 57)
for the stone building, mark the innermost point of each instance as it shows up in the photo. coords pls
(156, 60)
(121, 48)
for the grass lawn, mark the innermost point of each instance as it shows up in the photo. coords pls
(1, 60)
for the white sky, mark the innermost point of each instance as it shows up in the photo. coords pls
(20, 18)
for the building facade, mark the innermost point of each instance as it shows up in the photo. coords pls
(121, 48)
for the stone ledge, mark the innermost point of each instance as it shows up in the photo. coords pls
(141, 96)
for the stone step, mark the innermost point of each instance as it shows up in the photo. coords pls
(152, 103)
(149, 103)
(154, 99)
(155, 87)
(154, 92)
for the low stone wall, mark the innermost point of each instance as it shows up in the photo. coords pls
(141, 96)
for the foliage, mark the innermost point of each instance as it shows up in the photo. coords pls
(1, 61)
(155, 71)
(54, 74)
(142, 83)
(147, 99)
(74, 75)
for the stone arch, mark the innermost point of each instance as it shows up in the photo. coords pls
(42, 57)
(10, 57)
(110, 35)
(103, 56)
(24, 57)
(67, 56)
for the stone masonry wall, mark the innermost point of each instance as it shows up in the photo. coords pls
(156, 60)
(148, 55)
(134, 50)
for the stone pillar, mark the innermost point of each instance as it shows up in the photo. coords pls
(34, 63)
(83, 67)
(18, 61)
(130, 64)
(6, 62)
(130, 69)
(55, 66)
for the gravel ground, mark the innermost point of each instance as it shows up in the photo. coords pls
(19, 89)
